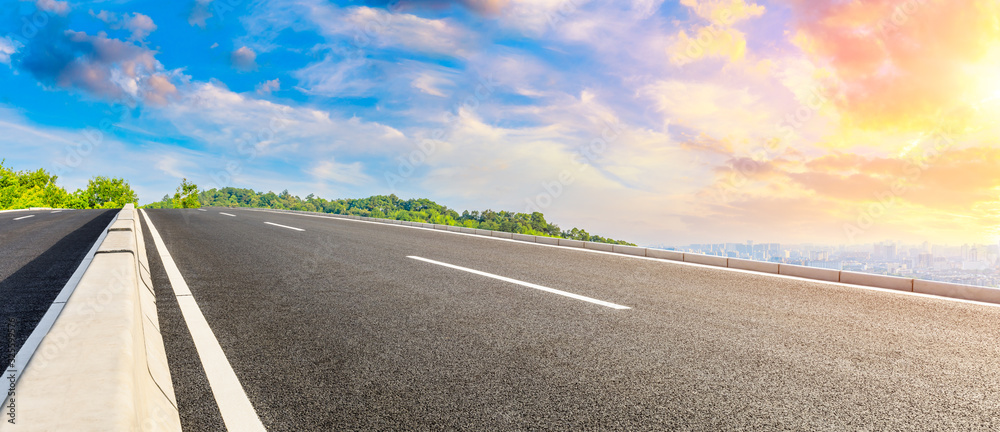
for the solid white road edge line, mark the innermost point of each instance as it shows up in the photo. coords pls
(24, 217)
(45, 324)
(227, 214)
(285, 226)
(234, 405)
(661, 260)
(527, 284)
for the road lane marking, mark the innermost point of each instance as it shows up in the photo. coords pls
(202, 210)
(57, 211)
(285, 226)
(227, 214)
(527, 284)
(234, 405)
(24, 217)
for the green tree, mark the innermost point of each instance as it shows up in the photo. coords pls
(187, 195)
(104, 192)
(24, 189)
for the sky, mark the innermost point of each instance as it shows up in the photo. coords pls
(658, 122)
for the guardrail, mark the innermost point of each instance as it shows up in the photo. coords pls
(102, 366)
(942, 289)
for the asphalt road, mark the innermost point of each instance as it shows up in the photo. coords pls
(335, 328)
(39, 251)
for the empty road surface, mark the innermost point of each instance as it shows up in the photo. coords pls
(332, 324)
(39, 251)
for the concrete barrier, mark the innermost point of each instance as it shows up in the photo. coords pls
(570, 243)
(757, 266)
(878, 281)
(467, 230)
(102, 366)
(711, 260)
(485, 233)
(546, 240)
(665, 254)
(523, 237)
(965, 292)
(629, 250)
(810, 272)
(501, 234)
(606, 247)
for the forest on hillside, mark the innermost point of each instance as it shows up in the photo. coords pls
(392, 207)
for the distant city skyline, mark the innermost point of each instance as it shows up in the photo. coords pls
(970, 263)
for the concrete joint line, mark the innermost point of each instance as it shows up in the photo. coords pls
(113, 251)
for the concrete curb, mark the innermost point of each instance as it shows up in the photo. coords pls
(941, 289)
(102, 366)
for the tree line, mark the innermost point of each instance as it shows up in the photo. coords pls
(26, 189)
(390, 207)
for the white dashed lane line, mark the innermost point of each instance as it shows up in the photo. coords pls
(526, 284)
(284, 226)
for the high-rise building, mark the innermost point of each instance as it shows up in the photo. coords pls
(925, 260)
(885, 251)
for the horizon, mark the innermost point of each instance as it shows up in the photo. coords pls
(656, 122)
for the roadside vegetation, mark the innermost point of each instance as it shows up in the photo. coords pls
(26, 189)
(390, 207)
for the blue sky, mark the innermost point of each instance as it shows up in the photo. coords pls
(628, 118)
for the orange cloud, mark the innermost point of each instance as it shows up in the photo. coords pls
(898, 64)
(911, 197)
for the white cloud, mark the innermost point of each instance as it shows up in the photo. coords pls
(244, 59)
(138, 24)
(76, 155)
(173, 166)
(241, 123)
(646, 8)
(361, 27)
(199, 13)
(331, 170)
(102, 66)
(8, 47)
(54, 6)
(430, 84)
(536, 17)
(733, 112)
(266, 87)
(334, 76)
(386, 29)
